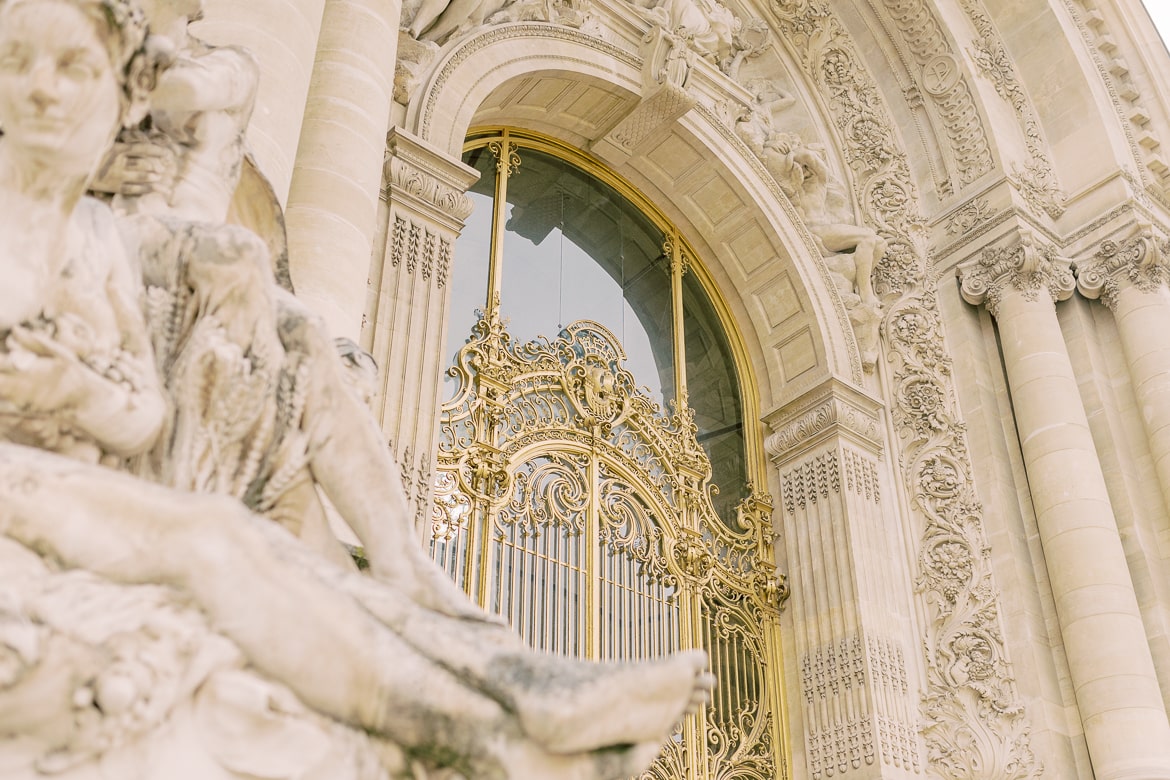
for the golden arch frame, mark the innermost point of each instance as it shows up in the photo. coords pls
(569, 502)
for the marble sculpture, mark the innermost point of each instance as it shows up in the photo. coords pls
(171, 602)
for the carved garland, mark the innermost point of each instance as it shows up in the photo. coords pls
(974, 722)
(1037, 179)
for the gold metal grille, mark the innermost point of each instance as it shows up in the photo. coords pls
(569, 503)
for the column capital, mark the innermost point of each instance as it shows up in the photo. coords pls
(830, 410)
(1028, 266)
(427, 178)
(1138, 261)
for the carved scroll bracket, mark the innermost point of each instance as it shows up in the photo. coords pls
(668, 62)
(425, 179)
(1028, 265)
(829, 410)
(1141, 260)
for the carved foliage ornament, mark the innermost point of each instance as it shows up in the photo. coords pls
(409, 178)
(1139, 261)
(1028, 266)
(971, 730)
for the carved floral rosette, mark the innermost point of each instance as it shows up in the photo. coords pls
(974, 724)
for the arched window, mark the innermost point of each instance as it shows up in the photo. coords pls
(592, 480)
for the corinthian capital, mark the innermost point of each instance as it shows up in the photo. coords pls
(1028, 266)
(1139, 261)
(426, 178)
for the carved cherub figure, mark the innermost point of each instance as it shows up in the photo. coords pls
(223, 330)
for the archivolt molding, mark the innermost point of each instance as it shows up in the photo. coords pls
(720, 101)
(1144, 143)
(598, 50)
(975, 725)
(1036, 179)
(718, 121)
(944, 81)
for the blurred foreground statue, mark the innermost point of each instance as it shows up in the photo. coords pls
(166, 417)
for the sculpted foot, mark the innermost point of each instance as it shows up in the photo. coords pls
(572, 707)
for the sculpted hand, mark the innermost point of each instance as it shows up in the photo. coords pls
(138, 167)
(38, 374)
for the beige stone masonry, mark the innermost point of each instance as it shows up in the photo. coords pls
(859, 712)
(406, 318)
(333, 198)
(1109, 659)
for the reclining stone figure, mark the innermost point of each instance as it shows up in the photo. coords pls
(137, 618)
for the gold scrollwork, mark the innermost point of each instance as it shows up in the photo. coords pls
(582, 511)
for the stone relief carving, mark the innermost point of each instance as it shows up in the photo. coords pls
(969, 216)
(1028, 265)
(965, 736)
(1140, 260)
(942, 79)
(850, 251)
(155, 618)
(1036, 179)
(431, 23)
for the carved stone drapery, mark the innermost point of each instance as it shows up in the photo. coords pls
(850, 587)
(1110, 664)
(425, 204)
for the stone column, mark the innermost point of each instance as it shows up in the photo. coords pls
(850, 587)
(1131, 278)
(1110, 664)
(333, 198)
(282, 34)
(426, 206)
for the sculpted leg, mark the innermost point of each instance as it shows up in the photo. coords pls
(258, 587)
(867, 248)
(347, 645)
(353, 465)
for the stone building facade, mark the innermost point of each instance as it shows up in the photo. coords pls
(967, 472)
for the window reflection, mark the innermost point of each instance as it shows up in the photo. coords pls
(575, 248)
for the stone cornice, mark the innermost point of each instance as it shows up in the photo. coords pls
(830, 410)
(427, 178)
(1027, 265)
(1139, 261)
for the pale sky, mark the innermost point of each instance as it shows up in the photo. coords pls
(1160, 12)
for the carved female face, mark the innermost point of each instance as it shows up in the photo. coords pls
(60, 99)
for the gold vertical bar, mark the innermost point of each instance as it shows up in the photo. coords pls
(678, 267)
(592, 571)
(507, 161)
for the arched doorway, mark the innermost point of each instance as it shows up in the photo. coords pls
(591, 484)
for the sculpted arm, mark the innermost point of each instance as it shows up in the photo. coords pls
(223, 79)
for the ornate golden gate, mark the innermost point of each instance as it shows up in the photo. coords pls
(572, 505)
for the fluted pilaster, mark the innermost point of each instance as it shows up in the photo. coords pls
(849, 587)
(406, 331)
